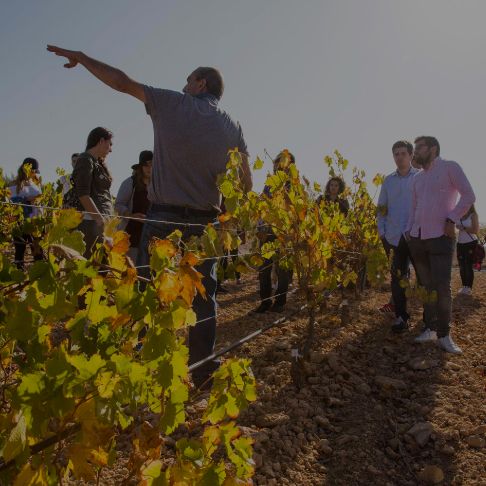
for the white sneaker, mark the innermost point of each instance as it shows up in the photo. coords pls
(427, 336)
(447, 344)
(465, 291)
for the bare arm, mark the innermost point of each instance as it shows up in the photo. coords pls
(245, 173)
(112, 77)
(474, 228)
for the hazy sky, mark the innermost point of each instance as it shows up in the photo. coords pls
(312, 76)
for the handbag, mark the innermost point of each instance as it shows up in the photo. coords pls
(478, 252)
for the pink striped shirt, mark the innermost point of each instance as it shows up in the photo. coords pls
(434, 198)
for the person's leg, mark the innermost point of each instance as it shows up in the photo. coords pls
(20, 246)
(202, 337)
(400, 271)
(469, 264)
(441, 250)
(420, 256)
(36, 249)
(283, 279)
(234, 259)
(265, 280)
(390, 304)
(132, 253)
(92, 233)
(461, 260)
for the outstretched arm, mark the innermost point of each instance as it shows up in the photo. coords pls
(112, 77)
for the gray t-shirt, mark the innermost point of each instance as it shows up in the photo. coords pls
(192, 137)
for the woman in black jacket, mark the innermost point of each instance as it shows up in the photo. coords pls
(91, 183)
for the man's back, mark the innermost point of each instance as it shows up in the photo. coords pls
(192, 137)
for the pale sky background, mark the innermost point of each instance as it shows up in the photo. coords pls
(312, 76)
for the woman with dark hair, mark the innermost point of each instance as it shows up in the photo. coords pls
(91, 181)
(281, 163)
(25, 189)
(467, 240)
(132, 200)
(334, 188)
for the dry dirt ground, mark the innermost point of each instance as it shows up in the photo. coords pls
(377, 408)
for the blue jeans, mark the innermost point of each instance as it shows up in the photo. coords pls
(202, 336)
(433, 264)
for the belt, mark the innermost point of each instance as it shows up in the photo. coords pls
(184, 210)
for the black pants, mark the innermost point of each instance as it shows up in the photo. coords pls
(20, 245)
(265, 277)
(400, 269)
(465, 258)
(433, 263)
(225, 261)
(92, 232)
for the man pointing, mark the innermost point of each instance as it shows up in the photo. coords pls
(192, 137)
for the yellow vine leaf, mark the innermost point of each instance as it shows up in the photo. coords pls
(169, 287)
(29, 476)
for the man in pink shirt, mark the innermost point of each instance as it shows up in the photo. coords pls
(431, 234)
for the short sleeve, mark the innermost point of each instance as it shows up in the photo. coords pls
(159, 100)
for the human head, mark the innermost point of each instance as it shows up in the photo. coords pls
(144, 166)
(34, 165)
(22, 175)
(334, 187)
(426, 149)
(283, 160)
(205, 80)
(73, 158)
(99, 142)
(402, 154)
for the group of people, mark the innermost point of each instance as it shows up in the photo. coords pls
(419, 209)
(175, 188)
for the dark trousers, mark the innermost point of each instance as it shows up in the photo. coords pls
(225, 262)
(265, 277)
(400, 269)
(92, 232)
(202, 336)
(465, 258)
(20, 245)
(433, 264)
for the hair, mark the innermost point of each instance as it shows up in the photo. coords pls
(22, 177)
(429, 142)
(342, 185)
(214, 80)
(281, 156)
(405, 144)
(138, 176)
(97, 134)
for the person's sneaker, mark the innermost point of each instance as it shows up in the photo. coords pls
(399, 325)
(447, 344)
(263, 307)
(465, 291)
(387, 309)
(427, 336)
(277, 308)
(238, 281)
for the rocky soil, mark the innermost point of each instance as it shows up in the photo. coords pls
(377, 408)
